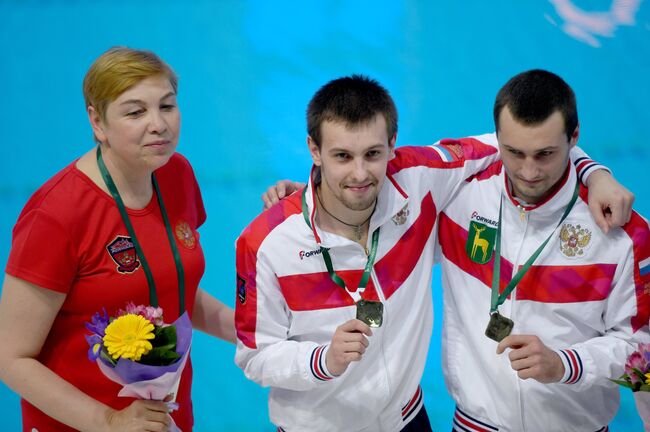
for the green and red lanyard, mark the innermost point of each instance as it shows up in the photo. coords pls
(153, 296)
(356, 295)
(497, 300)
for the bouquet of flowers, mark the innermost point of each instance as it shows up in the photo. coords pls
(637, 378)
(138, 351)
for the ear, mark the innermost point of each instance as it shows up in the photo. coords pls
(96, 123)
(574, 136)
(391, 146)
(314, 150)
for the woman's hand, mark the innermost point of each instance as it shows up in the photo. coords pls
(140, 416)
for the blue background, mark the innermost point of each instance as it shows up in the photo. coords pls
(247, 70)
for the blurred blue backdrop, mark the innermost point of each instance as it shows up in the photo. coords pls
(247, 70)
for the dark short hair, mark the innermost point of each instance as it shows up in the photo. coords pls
(534, 95)
(352, 100)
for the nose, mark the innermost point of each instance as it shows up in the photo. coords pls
(529, 169)
(157, 123)
(360, 171)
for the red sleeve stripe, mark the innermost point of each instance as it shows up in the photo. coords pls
(492, 170)
(465, 422)
(581, 163)
(575, 365)
(413, 405)
(316, 364)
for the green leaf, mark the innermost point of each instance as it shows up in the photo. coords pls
(103, 354)
(164, 336)
(623, 383)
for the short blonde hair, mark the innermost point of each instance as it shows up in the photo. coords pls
(119, 69)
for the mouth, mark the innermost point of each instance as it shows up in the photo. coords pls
(531, 183)
(359, 188)
(157, 144)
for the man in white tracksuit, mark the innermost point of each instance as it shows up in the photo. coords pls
(576, 308)
(369, 211)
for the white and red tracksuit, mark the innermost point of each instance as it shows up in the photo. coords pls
(586, 296)
(288, 307)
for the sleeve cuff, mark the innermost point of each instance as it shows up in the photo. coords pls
(586, 167)
(318, 365)
(572, 366)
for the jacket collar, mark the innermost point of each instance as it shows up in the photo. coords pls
(556, 201)
(390, 201)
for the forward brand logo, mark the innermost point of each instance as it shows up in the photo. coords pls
(306, 254)
(477, 217)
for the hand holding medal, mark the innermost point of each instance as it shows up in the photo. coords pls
(348, 344)
(530, 358)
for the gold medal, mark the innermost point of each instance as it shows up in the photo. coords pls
(370, 312)
(499, 327)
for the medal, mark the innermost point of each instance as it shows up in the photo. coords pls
(499, 327)
(370, 312)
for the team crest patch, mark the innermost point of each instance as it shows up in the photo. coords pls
(480, 242)
(185, 235)
(574, 240)
(241, 289)
(122, 251)
(400, 216)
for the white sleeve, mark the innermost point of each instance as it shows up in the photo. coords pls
(262, 320)
(594, 361)
(441, 168)
(584, 164)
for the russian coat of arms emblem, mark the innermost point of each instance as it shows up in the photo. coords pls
(574, 240)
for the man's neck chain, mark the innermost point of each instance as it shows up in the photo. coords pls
(357, 228)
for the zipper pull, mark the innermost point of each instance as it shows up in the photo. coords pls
(522, 213)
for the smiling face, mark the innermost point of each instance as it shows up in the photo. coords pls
(352, 161)
(535, 157)
(140, 128)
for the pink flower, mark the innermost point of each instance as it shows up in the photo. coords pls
(633, 377)
(153, 314)
(637, 360)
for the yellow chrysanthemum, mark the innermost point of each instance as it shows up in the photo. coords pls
(128, 337)
(647, 378)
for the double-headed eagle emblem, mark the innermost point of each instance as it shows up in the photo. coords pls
(574, 240)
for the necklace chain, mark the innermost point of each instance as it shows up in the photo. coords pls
(357, 228)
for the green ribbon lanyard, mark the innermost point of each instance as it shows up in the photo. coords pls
(153, 296)
(498, 300)
(356, 295)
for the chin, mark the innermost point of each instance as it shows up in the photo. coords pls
(159, 161)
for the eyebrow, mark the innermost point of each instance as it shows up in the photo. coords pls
(547, 148)
(140, 101)
(339, 149)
